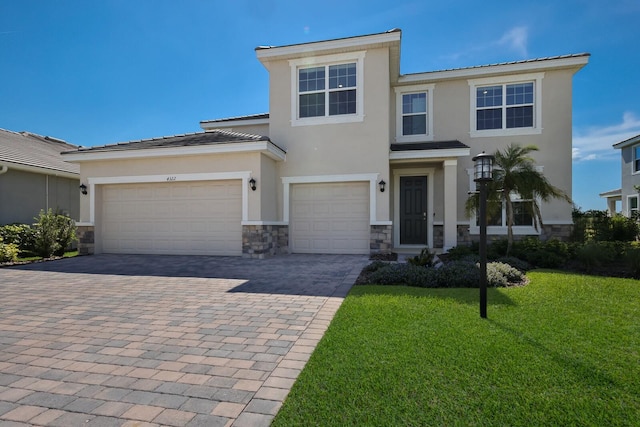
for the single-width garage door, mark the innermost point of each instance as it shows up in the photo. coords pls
(187, 218)
(330, 218)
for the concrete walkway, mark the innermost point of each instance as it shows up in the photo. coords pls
(140, 340)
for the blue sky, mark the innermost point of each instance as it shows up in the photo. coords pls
(99, 72)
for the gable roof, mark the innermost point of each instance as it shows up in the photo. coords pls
(35, 153)
(210, 141)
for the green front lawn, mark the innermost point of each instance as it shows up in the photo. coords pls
(563, 350)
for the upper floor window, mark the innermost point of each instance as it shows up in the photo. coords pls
(413, 109)
(506, 106)
(636, 159)
(327, 89)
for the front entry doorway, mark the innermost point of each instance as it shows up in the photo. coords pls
(413, 210)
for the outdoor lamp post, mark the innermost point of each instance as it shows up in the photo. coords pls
(483, 173)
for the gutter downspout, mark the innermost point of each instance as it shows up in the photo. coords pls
(4, 169)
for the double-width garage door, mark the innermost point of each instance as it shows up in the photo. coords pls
(188, 218)
(330, 218)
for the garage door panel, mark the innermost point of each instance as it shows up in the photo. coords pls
(199, 218)
(330, 218)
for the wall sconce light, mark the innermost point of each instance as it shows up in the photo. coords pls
(83, 189)
(252, 184)
(382, 184)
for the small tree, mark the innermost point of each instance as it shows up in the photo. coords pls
(54, 233)
(515, 173)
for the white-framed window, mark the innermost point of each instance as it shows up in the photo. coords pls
(636, 158)
(521, 214)
(523, 224)
(506, 105)
(632, 206)
(414, 117)
(327, 89)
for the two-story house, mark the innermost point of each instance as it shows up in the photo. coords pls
(629, 193)
(353, 157)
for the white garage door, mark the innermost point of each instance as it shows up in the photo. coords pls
(186, 218)
(330, 218)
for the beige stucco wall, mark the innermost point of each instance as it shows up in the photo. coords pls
(336, 149)
(451, 121)
(211, 163)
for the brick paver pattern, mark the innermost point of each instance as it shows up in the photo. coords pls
(112, 340)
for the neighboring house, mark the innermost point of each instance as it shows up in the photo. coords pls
(629, 193)
(33, 177)
(353, 158)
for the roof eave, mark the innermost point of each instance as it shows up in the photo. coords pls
(266, 54)
(222, 124)
(575, 62)
(440, 154)
(264, 146)
(627, 142)
(40, 170)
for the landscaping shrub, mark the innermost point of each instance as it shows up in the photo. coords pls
(596, 225)
(458, 274)
(8, 252)
(403, 275)
(425, 259)
(454, 274)
(514, 262)
(53, 233)
(550, 254)
(21, 235)
(632, 259)
(459, 252)
(594, 255)
(500, 274)
(497, 248)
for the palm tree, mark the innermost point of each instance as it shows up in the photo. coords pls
(515, 173)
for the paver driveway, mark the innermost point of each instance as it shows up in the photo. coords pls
(111, 340)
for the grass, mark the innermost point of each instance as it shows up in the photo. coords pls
(563, 350)
(69, 254)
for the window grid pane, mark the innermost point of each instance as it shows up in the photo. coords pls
(342, 102)
(342, 76)
(521, 93)
(414, 103)
(311, 79)
(490, 96)
(636, 158)
(521, 215)
(312, 105)
(519, 117)
(414, 124)
(489, 119)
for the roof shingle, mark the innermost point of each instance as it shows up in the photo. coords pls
(29, 149)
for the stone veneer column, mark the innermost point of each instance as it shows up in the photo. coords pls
(381, 239)
(450, 204)
(86, 239)
(264, 241)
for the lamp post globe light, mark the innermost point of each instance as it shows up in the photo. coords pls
(482, 174)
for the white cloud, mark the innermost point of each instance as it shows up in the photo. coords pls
(596, 142)
(516, 39)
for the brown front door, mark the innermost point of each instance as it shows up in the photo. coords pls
(413, 210)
